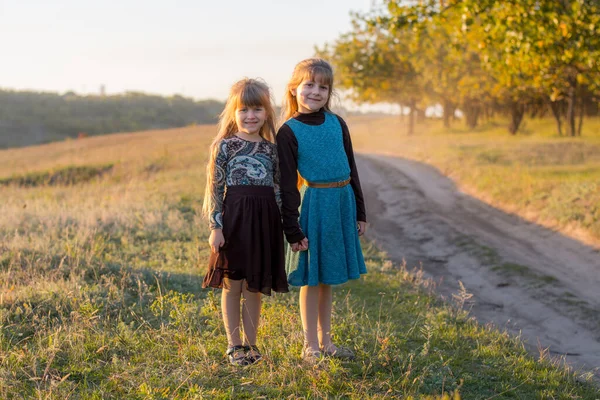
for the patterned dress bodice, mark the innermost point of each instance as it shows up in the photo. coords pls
(321, 153)
(242, 162)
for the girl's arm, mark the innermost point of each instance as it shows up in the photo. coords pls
(361, 214)
(216, 213)
(287, 149)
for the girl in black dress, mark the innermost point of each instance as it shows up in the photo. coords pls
(242, 204)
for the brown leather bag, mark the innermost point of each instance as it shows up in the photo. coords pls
(217, 265)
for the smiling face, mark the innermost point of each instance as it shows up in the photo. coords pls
(249, 120)
(311, 94)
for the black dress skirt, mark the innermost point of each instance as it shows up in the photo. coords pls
(253, 247)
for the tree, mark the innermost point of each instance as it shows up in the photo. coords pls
(375, 66)
(546, 46)
(475, 55)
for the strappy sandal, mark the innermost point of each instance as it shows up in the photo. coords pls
(252, 354)
(342, 353)
(237, 356)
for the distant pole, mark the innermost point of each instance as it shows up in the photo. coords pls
(102, 90)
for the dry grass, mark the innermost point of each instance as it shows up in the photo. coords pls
(551, 180)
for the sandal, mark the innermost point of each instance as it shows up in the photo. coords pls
(311, 356)
(237, 356)
(342, 353)
(252, 354)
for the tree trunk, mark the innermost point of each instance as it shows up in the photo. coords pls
(534, 112)
(475, 118)
(448, 112)
(555, 107)
(572, 98)
(581, 114)
(412, 116)
(471, 112)
(517, 110)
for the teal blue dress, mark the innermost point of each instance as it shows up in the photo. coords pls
(327, 216)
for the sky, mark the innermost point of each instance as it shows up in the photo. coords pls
(195, 48)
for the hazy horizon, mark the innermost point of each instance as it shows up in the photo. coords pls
(194, 49)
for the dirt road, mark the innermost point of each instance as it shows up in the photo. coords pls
(524, 278)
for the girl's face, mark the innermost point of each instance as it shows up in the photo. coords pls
(311, 95)
(250, 119)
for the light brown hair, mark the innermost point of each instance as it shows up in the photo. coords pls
(314, 69)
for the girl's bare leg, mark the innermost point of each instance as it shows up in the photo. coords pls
(250, 315)
(309, 313)
(325, 306)
(230, 307)
(325, 310)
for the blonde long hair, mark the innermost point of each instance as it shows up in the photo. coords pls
(244, 93)
(315, 69)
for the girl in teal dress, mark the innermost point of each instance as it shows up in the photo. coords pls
(322, 203)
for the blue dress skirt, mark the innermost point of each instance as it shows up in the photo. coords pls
(327, 215)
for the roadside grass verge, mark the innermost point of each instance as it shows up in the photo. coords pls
(538, 175)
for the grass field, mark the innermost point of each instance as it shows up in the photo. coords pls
(551, 180)
(100, 273)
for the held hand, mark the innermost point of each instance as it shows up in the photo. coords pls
(216, 240)
(362, 228)
(300, 246)
(303, 245)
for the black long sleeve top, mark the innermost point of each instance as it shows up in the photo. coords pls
(287, 148)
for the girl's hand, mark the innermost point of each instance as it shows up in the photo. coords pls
(300, 246)
(362, 228)
(303, 245)
(216, 240)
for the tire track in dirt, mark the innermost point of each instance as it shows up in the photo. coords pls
(525, 278)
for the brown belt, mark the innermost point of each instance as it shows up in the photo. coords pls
(327, 184)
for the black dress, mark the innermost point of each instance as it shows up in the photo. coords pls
(246, 207)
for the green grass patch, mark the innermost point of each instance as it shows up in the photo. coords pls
(169, 344)
(101, 317)
(512, 268)
(524, 271)
(70, 175)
